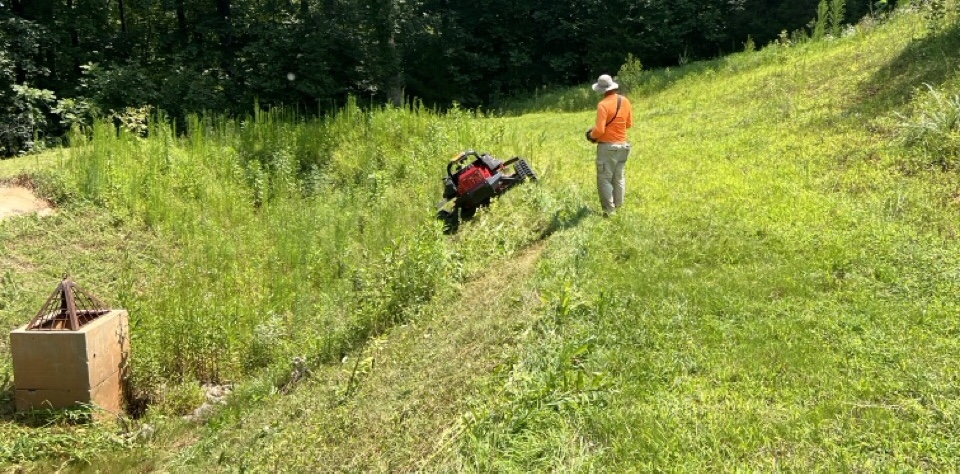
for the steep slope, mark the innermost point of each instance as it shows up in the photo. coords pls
(776, 297)
(779, 295)
(396, 405)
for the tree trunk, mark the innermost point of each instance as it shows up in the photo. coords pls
(392, 68)
(123, 19)
(74, 39)
(395, 85)
(181, 23)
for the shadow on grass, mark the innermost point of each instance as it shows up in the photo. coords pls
(8, 393)
(931, 60)
(655, 81)
(582, 98)
(563, 221)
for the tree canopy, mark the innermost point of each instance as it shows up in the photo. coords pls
(223, 56)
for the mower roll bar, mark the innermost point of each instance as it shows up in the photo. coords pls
(459, 159)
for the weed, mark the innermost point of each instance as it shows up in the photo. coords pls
(837, 13)
(823, 15)
(934, 128)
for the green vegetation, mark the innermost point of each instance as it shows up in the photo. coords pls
(294, 239)
(62, 62)
(32, 164)
(780, 293)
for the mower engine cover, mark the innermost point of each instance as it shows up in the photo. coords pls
(472, 177)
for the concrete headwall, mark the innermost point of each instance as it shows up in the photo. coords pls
(59, 369)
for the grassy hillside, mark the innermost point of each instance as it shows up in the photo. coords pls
(779, 294)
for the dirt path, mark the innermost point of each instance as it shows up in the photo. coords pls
(16, 201)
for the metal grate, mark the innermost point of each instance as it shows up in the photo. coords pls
(68, 309)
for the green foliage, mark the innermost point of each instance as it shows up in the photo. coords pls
(939, 13)
(336, 237)
(118, 87)
(28, 114)
(823, 13)
(75, 112)
(527, 419)
(837, 14)
(933, 128)
(177, 399)
(734, 326)
(23, 119)
(776, 296)
(630, 74)
(59, 439)
(188, 57)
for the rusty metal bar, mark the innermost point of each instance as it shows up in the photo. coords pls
(77, 307)
(71, 304)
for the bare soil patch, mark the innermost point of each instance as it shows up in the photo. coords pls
(18, 201)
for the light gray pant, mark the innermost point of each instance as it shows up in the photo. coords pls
(611, 183)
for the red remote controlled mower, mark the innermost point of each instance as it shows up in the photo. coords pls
(473, 179)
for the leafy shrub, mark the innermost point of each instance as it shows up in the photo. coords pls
(630, 75)
(116, 86)
(74, 112)
(23, 119)
(134, 119)
(938, 13)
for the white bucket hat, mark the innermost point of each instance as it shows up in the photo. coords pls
(605, 83)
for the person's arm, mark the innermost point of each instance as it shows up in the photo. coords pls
(600, 127)
(629, 115)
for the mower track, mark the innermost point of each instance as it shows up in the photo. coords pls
(408, 410)
(398, 404)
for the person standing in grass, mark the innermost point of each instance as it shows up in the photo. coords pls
(614, 117)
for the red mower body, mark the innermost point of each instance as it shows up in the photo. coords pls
(473, 179)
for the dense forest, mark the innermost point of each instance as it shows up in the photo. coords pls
(62, 60)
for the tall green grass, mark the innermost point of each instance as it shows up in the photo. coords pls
(296, 237)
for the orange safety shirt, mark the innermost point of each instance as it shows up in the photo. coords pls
(616, 132)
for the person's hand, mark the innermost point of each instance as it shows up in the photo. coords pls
(590, 138)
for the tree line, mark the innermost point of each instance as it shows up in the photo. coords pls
(68, 58)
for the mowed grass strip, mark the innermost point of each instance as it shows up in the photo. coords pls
(780, 293)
